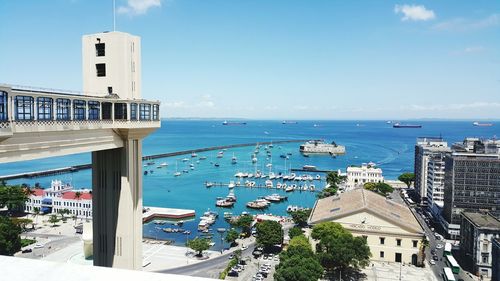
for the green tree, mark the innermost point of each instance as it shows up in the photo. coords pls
(36, 212)
(300, 217)
(23, 223)
(199, 245)
(407, 178)
(337, 248)
(13, 197)
(298, 262)
(78, 195)
(294, 232)
(269, 233)
(379, 187)
(245, 223)
(231, 236)
(10, 242)
(333, 180)
(53, 219)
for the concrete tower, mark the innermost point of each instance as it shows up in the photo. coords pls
(112, 64)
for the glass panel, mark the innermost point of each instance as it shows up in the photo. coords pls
(156, 113)
(133, 111)
(120, 111)
(63, 109)
(24, 108)
(94, 107)
(144, 111)
(44, 106)
(3, 106)
(106, 110)
(79, 109)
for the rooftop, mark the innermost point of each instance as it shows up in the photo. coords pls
(359, 200)
(481, 220)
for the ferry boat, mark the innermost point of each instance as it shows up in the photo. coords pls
(477, 124)
(289, 122)
(399, 125)
(225, 123)
(320, 147)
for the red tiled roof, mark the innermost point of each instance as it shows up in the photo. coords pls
(71, 195)
(37, 192)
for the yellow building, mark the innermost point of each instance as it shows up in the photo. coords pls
(392, 232)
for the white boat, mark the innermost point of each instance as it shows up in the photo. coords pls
(269, 184)
(185, 159)
(239, 175)
(203, 158)
(289, 188)
(318, 146)
(231, 184)
(305, 187)
(254, 160)
(272, 176)
(318, 177)
(269, 165)
(250, 175)
(278, 185)
(164, 164)
(312, 187)
(309, 168)
(234, 160)
(194, 154)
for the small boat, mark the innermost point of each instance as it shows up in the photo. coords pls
(176, 174)
(228, 123)
(194, 154)
(145, 173)
(234, 160)
(318, 177)
(203, 158)
(187, 232)
(289, 189)
(278, 185)
(185, 159)
(224, 203)
(216, 164)
(185, 171)
(269, 184)
(231, 185)
(164, 164)
(254, 160)
(209, 184)
(309, 168)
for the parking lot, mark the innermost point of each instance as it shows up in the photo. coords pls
(256, 269)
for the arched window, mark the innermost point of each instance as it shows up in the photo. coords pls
(44, 106)
(24, 107)
(3, 106)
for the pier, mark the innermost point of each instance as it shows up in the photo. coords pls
(76, 168)
(223, 184)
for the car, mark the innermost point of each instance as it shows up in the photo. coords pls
(243, 248)
(263, 273)
(435, 258)
(439, 246)
(38, 246)
(433, 252)
(233, 273)
(432, 262)
(26, 251)
(276, 258)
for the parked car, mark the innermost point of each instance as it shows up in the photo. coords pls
(38, 246)
(435, 258)
(26, 251)
(439, 246)
(432, 262)
(233, 273)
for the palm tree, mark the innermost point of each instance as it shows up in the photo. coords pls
(78, 195)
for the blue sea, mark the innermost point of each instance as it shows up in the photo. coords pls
(365, 141)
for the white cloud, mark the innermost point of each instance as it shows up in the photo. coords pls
(414, 12)
(138, 7)
(461, 24)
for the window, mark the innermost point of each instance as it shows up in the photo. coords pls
(382, 240)
(398, 257)
(156, 109)
(381, 254)
(63, 109)
(398, 242)
(101, 69)
(106, 110)
(120, 111)
(144, 111)
(44, 106)
(24, 108)
(100, 50)
(415, 243)
(3, 106)
(79, 109)
(485, 258)
(133, 111)
(93, 110)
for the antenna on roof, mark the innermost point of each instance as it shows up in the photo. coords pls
(114, 15)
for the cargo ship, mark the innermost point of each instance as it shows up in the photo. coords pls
(477, 124)
(233, 123)
(399, 125)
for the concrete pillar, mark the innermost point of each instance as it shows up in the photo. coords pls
(117, 206)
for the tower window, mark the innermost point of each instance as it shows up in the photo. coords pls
(101, 69)
(100, 50)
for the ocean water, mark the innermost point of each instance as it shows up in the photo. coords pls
(366, 141)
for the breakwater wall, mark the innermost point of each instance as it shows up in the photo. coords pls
(76, 168)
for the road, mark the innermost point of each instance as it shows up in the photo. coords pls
(210, 268)
(55, 243)
(441, 262)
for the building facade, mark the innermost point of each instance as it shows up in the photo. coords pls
(472, 182)
(435, 182)
(478, 231)
(425, 148)
(60, 197)
(358, 176)
(390, 229)
(495, 259)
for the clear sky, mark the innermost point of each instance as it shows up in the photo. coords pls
(288, 59)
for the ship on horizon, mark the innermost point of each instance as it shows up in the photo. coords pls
(477, 124)
(289, 122)
(400, 125)
(233, 123)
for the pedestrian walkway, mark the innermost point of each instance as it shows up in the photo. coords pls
(378, 271)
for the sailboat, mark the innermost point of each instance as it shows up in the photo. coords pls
(234, 160)
(177, 173)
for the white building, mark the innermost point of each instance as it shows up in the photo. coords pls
(358, 176)
(435, 183)
(59, 197)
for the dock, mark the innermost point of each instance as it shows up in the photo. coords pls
(166, 213)
(76, 168)
(222, 184)
(311, 171)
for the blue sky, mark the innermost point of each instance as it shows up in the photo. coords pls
(276, 59)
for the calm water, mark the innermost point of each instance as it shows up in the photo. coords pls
(365, 141)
